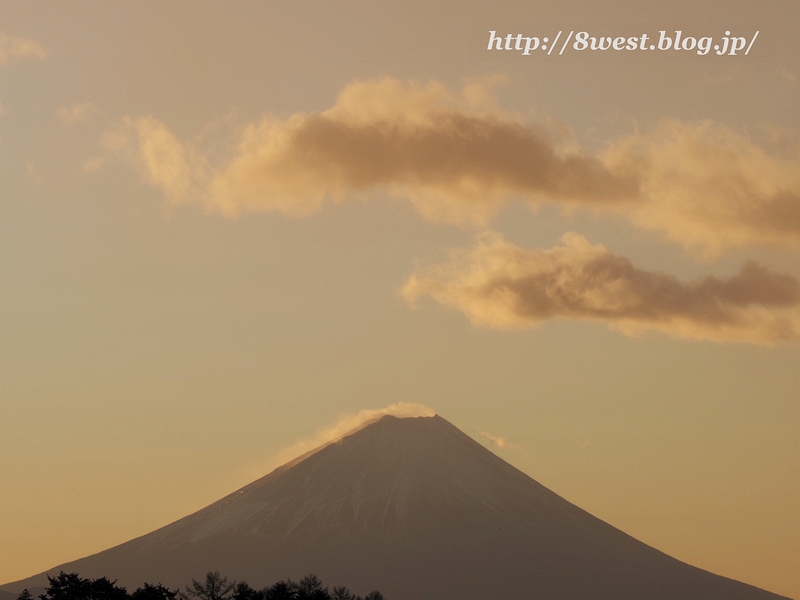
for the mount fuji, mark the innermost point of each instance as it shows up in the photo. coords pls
(415, 508)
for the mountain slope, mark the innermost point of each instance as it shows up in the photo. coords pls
(419, 510)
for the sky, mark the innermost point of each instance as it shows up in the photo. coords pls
(227, 229)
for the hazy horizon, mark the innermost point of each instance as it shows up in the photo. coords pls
(229, 232)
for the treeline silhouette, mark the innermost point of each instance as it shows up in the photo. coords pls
(70, 586)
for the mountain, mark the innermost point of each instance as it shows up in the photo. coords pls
(419, 510)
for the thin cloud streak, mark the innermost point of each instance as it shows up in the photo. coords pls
(75, 114)
(13, 47)
(499, 285)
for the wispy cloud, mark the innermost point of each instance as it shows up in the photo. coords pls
(162, 159)
(91, 165)
(33, 173)
(75, 114)
(502, 442)
(13, 47)
(497, 284)
(348, 423)
(788, 76)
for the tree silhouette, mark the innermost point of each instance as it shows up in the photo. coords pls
(70, 586)
(280, 591)
(215, 587)
(342, 593)
(310, 588)
(103, 589)
(154, 592)
(243, 591)
(66, 586)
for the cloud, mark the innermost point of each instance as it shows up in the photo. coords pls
(458, 157)
(706, 186)
(14, 47)
(348, 423)
(75, 114)
(160, 157)
(788, 76)
(93, 164)
(33, 173)
(499, 285)
(419, 142)
(501, 442)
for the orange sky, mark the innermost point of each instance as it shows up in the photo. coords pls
(224, 226)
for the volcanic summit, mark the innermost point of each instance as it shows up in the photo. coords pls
(417, 509)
